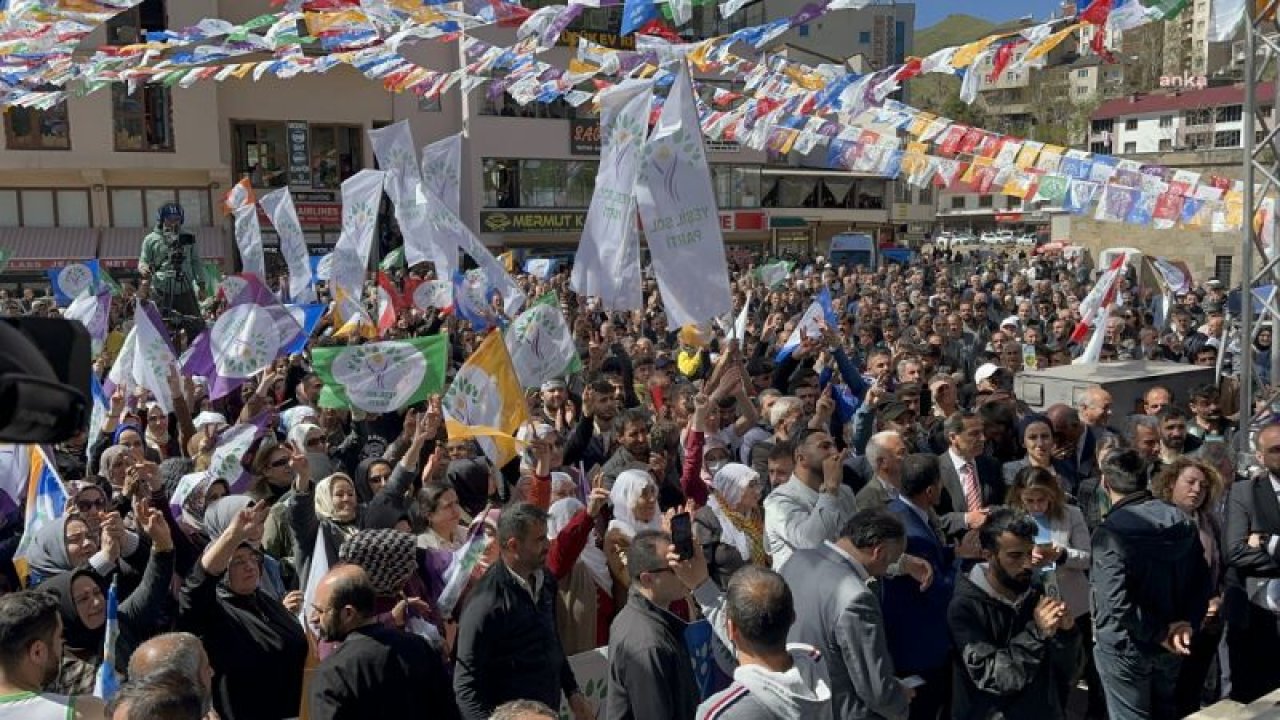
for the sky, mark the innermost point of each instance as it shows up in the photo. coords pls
(929, 12)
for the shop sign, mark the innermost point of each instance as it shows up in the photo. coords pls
(584, 136)
(532, 221)
(1008, 217)
(569, 38)
(742, 221)
(312, 214)
(776, 222)
(298, 144)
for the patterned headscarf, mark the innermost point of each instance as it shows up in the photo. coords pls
(388, 556)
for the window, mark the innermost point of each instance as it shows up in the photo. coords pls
(1082, 90)
(957, 202)
(1099, 126)
(925, 196)
(1130, 147)
(132, 25)
(986, 201)
(1099, 147)
(1131, 124)
(1230, 113)
(139, 207)
(45, 208)
(31, 129)
(259, 150)
(538, 183)
(335, 150)
(429, 104)
(1226, 139)
(804, 30)
(1166, 145)
(736, 185)
(1197, 140)
(864, 37)
(1199, 117)
(1166, 121)
(901, 192)
(1082, 73)
(143, 121)
(1222, 269)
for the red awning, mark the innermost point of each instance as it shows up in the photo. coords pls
(121, 246)
(40, 248)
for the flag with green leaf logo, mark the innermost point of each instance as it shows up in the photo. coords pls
(382, 377)
(393, 260)
(540, 344)
(775, 273)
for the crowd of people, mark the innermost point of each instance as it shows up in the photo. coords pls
(869, 521)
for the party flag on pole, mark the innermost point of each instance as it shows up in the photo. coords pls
(107, 683)
(382, 376)
(46, 502)
(485, 401)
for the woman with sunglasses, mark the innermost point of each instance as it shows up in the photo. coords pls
(82, 597)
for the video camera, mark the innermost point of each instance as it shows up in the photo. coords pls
(45, 366)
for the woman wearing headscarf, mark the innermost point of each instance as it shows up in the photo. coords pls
(217, 518)
(334, 513)
(731, 526)
(474, 482)
(584, 606)
(255, 643)
(82, 599)
(634, 498)
(390, 558)
(67, 543)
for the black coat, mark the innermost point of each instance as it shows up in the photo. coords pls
(508, 647)
(1006, 668)
(381, 673)
(1148, 571)
(650, 669)
(256, 647)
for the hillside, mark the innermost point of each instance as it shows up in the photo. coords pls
(952, 30)
(931, 92)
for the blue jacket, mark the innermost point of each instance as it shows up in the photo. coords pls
(915, 621)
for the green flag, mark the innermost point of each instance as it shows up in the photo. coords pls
(105, 278)
(540, 344)
(210, 278)
(5, 255)
(1165, 9)
(393, 260)
(1052, 188)
(384, 376)
(775, 273)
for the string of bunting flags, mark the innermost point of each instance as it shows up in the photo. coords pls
(784, 105)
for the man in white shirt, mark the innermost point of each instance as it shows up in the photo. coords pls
(813, 505)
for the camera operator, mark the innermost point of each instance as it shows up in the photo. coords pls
(169, 260)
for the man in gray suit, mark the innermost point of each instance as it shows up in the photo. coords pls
(839, 613)
(885, 452)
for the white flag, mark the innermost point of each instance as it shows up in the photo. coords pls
(278, 205)
(442, 171)
(393, 146)
(540, 344)
(361, 194)
(433, 294)
(428, 235)
(249, 240)
(513, 298)
(678, 207)
(153, 359)
(607, 264)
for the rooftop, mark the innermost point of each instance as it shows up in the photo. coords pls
(1185, 100)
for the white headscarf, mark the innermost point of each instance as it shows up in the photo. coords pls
(298, 435)
(624, 495)
(730, 484)
(592, 558)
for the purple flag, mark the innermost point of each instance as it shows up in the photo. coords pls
(253, 332)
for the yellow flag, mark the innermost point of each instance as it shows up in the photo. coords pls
(1044, 46)
(485, 401)
(965, 56)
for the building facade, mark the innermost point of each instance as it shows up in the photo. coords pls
(88, 177)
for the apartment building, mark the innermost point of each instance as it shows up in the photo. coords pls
(1209, 118)
(87, 177)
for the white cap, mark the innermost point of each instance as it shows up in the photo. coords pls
(1011, 320)
(985, 372)
(209, 418)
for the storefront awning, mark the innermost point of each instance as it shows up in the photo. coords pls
(121, 246)
(40, 248)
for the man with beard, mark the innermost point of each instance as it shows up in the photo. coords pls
(377, 671)
(30, 657)
(555, 410)
(1015, 642)
(634, 451)
(507, 644)
(592, 440)
(811, 507)
(1150, 587)
(1175, 441)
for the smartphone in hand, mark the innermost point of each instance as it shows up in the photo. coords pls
(682, 535)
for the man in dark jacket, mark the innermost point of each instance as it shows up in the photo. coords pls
(650, 669)
(1014, 643)
(1150, 590)
(508, 647)
(377, 672)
